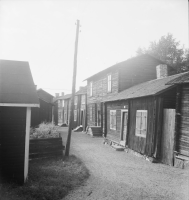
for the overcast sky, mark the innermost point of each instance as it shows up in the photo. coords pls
(43, 33)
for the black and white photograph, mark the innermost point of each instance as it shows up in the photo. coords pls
(94, 100)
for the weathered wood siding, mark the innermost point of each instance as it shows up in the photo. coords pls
(100, 92)
(167, 140)
(183, 139)
(45, 148)
(118, 106)
(42, 114)
(12, 142)
(137, 71)
(140, 144)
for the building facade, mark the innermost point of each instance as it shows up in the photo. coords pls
(111, 81)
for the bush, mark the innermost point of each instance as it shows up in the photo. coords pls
(45, 130)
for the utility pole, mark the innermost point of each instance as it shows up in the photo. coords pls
(73, 92)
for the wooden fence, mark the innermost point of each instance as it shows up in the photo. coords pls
(45, 148)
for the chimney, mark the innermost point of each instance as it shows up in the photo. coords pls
(62, 94)
(161, 71)
(56, 94)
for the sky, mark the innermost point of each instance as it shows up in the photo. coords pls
(43, 32)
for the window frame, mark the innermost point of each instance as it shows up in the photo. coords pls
(138, 131)
(109, 88)
(91, 88)
(83, 99)
(75, 115)
(113, 114)
(75, 100)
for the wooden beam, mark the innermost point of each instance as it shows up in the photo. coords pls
(27, 138)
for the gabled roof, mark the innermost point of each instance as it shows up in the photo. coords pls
(83, 90)
(16, 84)
(181, 79)
(42, 94)
(127, 63)
(149, 88)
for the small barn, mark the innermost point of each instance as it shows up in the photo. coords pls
(44, 112)
(17, 97)
(142, 118)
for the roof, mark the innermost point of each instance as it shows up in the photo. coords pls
(42, 94)
(126, 63)
(83, 90)
(181, 79)
(149, 88)
(16, 83)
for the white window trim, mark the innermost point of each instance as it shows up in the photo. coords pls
(75, 115)
(109, 83)
(91, 89)
(112, 111)
(141, 135)
(121, 128)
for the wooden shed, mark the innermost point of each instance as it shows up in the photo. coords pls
(45, 112)
(181, 146)
(17, 97)
(142, 118)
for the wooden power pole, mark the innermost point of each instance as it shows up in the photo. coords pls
(73, 93)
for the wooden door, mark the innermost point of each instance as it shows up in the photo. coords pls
(124, 126)
(167, 140)
(98, 118)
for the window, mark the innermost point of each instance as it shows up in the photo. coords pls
(75, 115)
(109, 83)
(83, 99)
(113, 119)
(59, 115)
(59, 103)
(91, 114)
(141, 123)
(75, 100)
(62, 103)
(91, 89)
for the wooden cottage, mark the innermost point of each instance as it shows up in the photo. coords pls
(61, 108)
(181, 146)
(142, 118)
(111, 81)
(80, 104)
(44, 112)
(17, 97)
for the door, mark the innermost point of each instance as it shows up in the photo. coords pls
(98, 118)
(81, 119)
(124, 119)
(167, 139)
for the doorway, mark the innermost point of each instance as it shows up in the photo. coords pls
(124, 120)
(98, 118)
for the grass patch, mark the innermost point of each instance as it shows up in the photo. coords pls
(48, 179)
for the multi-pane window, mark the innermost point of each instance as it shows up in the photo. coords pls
(91, 114)
(75, 100)
(113, 119)
(59, 103)
(141, 123)
(91, 89)
(83, 99)
(75, 115)
(109, 83)
(59, 115)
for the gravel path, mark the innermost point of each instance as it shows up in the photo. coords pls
(121, 176)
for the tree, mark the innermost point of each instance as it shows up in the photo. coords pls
(168, 50)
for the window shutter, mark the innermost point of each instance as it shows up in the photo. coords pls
(144, 123)
(138, 122)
